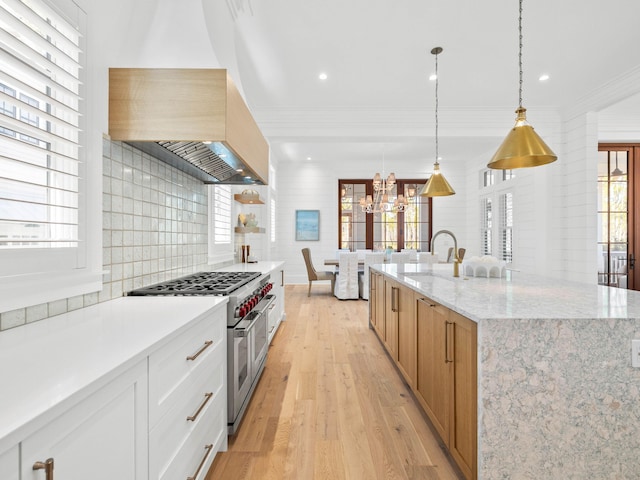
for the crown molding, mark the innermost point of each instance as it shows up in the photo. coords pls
(610, 93)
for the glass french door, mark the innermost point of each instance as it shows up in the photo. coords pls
(618, 214)
(410, 229)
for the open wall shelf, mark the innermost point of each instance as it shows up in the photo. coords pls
(249, 230)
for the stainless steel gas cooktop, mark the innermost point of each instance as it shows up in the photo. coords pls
(202, 283)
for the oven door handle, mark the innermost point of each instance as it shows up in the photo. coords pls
(244, 327)
(265, 303)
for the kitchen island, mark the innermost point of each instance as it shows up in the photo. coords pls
(557, 396)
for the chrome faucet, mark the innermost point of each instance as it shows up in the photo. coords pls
(456, 258)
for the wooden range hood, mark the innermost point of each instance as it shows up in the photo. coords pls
(175, 113)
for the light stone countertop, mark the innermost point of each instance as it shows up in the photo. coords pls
(516, 296)
(45, 365)
(558, 397)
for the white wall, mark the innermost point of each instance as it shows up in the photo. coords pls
(306, 186)
(312, 185)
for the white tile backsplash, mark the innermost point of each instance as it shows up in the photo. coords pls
(158, 227)
(155, 228)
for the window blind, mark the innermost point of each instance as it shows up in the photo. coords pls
(506, 227)
(40, 55)
(487, 178)
(221, 215)
(486, 226)
(273, 220)
(508, 175)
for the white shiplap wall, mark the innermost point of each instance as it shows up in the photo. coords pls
(312, 185)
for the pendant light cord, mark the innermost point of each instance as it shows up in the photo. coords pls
(437, 78)
(520, 55)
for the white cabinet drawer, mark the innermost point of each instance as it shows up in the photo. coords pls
(188, 415)
(9, 464)
(171, 366)
(197, 449)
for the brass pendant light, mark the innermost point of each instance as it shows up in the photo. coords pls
(522, 147)
(437, 185)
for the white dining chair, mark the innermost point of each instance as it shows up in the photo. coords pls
(426, 257)
(372, 258)
(346, 286)
(362, 252)
(413, 253)
(400, 257)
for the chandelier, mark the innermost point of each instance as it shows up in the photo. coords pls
(379, 201)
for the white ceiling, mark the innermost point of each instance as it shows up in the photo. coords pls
(376, 56)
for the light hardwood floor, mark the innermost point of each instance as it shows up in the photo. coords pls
(330, 405)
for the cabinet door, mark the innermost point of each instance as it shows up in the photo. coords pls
(391, 296)
(10, 464)
(104, 437)
(276, 310)
(373, 298)
(407, 341)
(433, 366)
(463, 435)
(380, 310)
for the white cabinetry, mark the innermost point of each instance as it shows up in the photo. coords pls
(103, 437)
(130, 389)
(10, 464)
(188, 400)
(276, 310)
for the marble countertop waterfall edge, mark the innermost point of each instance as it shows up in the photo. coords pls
(557, 395)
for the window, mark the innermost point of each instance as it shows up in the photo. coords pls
(508, 175)
(273, 220)
(496, 238)
(221, 215)
(486, 229)
(272, 202)
(39, 128)
(487, 178)
(44, 224)
(615, 214)
(506, 227)
(377, 231)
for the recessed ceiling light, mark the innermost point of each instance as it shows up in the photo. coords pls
(544, 77)
(322, 76)
(239, 170)
(308, 158)
(432, 77)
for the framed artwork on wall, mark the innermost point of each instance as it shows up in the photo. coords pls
(307, 225)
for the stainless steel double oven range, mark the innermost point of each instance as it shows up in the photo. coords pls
(247, 327)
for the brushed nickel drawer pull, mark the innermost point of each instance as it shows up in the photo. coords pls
(207, 397)
(208, 449)
(47, 466)
(207, 344)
